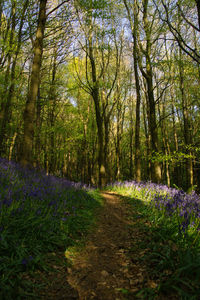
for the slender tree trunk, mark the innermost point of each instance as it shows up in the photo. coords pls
(138, 97)
(99, 119)
(38, 130)
(29, 112)
(186, 126)
(6, 111)
(166, 172)
(12, 146)
(156, 169)
(195, 34)
(153, 130)
(131, 139)
(176, 176)
(118, 150)
(134, 29)
(198, 11)
(5, 105)
(106, 145)
(1, 10)
(46, 161)
(147, 135)
(52, 105)
(101, 161)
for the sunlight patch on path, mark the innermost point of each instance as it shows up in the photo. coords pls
(103, 270)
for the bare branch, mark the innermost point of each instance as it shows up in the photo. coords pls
(54, 9)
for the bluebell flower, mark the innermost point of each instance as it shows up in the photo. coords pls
(24, 261)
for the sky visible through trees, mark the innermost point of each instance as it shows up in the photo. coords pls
(99, 91)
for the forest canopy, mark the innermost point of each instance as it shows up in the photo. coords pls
(99, 91)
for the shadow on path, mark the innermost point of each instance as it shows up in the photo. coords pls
(103, 269)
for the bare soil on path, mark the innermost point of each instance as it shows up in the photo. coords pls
(106, 268)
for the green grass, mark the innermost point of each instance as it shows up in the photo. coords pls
(171, 257)
(25, 250)
(39, 216)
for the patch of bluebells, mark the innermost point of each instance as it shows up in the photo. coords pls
(19, 185)
(34, 212)
(185, 208)
(38, 214)
(25, 261)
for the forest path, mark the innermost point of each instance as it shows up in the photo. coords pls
(105, 269)
(108, 265)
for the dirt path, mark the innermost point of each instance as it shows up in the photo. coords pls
(107, 267)
(103, 270)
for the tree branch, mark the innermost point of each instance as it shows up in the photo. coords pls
(66, 1)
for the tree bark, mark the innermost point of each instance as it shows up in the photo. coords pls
(148, 74)
(118, 144)
(138, 101)
(186, 126)
(1, 11)
(134, 29)
(6, 112)
(52, 105)
(99, 118)
(147, 135)
(5, 105)
(131, 137)
(166, 167)
(29, 112)
(198, 11)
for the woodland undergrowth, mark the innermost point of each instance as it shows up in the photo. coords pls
(39, 215)
(170, 222)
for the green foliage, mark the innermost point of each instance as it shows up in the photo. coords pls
(37, 217)
(172, 157)
(92, 4)
(171, 257)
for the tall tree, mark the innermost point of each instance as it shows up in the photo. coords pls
(147, 72)
(134, 31)
(98, 85)
(29, 112)
(6, 109)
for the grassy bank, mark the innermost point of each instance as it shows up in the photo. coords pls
(39, 215)
(169, 220)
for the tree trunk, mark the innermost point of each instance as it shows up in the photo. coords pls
(5, 105)
(186, 126)
(101, 162)
(118, 148)
(12, 146)
(106, 144)
(166, 146)
(131, 139)
(99, 119)
(52, 105)
(137, 126)
(3, 117)
(147, 135)
(1, 10)
(29, 112)
(38, 130)
(134, 29)
(198, 11)
(155, 165)
(6, 112)
(138, 101)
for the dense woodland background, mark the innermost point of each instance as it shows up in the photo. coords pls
(98, 91)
